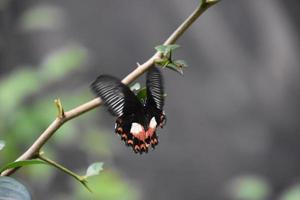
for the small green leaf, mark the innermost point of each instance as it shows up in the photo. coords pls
(142, 95)
(136, 87)
(163, 62)
(2, 144)
(21, 164)
(172, 47)
(175, 68)
(166, 64)
(166, 49)
(167, 60)
(94, 169)
(12, 189)
(180, 63)
(160, 48)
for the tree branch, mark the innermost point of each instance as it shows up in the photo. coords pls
(141, 69)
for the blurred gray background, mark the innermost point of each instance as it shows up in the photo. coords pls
(234, 114)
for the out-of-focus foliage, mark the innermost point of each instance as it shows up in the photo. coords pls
(27, 109)
(42, 17)
(292, 193)
(2, 144)
(249, 187)
(62, 62)
(12, 189)
(109, 186)
(253, 187)
(16, 87)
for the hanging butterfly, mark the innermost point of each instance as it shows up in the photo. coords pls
(136, 121)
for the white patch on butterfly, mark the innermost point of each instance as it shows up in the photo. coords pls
(153, 123)
(136, 128)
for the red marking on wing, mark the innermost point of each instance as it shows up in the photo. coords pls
(140, 136)
(150, 132)
(139, 142)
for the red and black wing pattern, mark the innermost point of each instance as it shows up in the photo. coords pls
(123, 103)
(136, 123)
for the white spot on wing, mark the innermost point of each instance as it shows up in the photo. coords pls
(153, 123)
(136, 128)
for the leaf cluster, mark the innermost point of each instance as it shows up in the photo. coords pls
(167, 61)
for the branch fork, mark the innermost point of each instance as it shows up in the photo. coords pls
(62, 117)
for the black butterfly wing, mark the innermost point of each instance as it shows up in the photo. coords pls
(123, 103)
(155, 89)
(135, 122)
(119, 99)
(155, 96)
(154, 103)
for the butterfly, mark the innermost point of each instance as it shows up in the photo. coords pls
(136, 121)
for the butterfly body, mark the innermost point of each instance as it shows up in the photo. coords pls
(136, 122)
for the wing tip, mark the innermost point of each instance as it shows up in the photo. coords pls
(102, 79)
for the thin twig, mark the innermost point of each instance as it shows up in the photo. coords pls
(79, 178)
(141, 69)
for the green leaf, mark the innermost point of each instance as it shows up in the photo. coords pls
(142, 94)
(172, 46)
(175, 68)
(163, 62)
(292, 193)
(63, 61)
(94, 169)
(136, 87)
(2, 144)
(166, 49)
(161, 48)
(180, 63)
(21, 164)
(12, 189)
